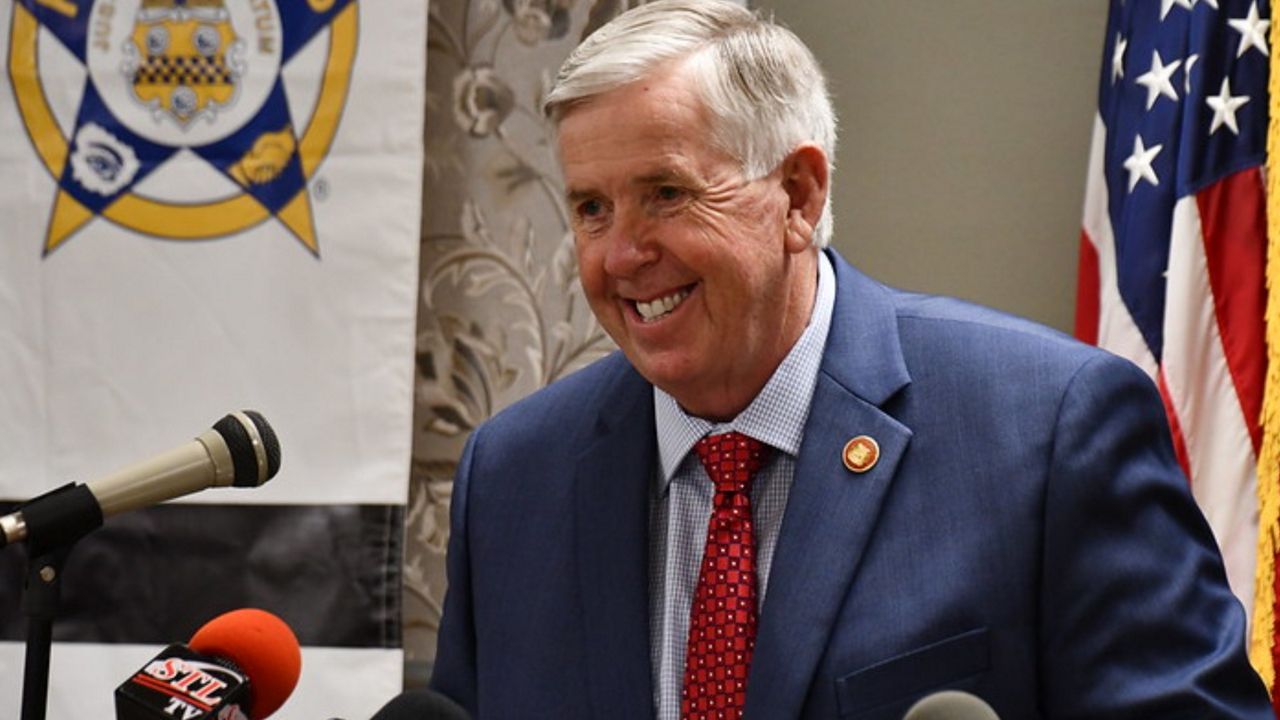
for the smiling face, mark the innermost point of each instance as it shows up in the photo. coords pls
(703, 278)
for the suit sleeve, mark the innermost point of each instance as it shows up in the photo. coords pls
(455, 668)
(1137, 620)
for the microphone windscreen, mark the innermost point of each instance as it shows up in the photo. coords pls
(951, 705)
(421, 705)
(262, 646)
(244, 445)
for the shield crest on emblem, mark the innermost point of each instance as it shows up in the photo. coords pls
(183, 58)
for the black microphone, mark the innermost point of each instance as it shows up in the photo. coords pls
(421, 705)
(240, 450)
(242, 665)
(951, 705)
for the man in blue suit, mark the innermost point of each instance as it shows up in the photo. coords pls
(916, 494)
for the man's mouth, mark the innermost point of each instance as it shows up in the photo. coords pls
(660, 307)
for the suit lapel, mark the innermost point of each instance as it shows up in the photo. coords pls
(831, 512)
(611, 513)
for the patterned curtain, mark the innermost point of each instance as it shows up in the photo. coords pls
(500, 313)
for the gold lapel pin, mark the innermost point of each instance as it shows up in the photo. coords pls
(861, 453)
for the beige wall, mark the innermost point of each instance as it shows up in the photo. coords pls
(965, 129)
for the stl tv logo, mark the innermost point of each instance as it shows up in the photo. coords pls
(182, 119)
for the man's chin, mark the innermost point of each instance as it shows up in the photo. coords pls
(672, 377)
(680, 380)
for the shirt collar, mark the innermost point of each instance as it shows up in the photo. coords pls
(776, 416)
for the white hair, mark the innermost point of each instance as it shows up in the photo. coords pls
(762, 86)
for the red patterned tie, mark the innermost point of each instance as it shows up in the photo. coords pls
(722, 622)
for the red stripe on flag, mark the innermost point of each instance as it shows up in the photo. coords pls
(1234, 223)
(1088, 292)
(1175, 428)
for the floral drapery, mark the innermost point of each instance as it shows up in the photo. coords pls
(500, 312)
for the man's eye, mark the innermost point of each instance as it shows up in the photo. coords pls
(668, 193)
(590, 208)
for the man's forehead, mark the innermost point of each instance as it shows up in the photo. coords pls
(650, 132)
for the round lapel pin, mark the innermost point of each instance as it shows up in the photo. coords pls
(861, 453)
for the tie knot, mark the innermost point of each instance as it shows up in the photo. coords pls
(731, 459)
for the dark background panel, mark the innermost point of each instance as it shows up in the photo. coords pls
(154, 576)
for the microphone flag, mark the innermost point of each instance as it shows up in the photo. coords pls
(182, 684)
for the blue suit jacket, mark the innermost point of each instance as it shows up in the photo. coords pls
(1025, 536)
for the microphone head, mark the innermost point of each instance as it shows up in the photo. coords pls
(262, 646)
(951, 705)
(252, 443)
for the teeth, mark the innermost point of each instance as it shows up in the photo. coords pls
(661, 306)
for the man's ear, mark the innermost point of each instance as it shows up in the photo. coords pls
(805, 178)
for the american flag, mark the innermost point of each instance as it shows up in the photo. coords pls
(1173, 247)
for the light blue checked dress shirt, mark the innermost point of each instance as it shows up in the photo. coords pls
(680, 504)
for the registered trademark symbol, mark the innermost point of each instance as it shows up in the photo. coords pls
(320, 188)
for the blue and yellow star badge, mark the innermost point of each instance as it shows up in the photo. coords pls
(174, 88)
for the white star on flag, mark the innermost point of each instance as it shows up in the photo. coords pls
(1139, 163)
(1224, 108)
(1253, 31)
(1117, 58)
(1186, 72)
(1157, 79)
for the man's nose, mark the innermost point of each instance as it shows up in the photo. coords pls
(632, 245)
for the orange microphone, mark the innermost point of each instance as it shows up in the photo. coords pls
(241, 665)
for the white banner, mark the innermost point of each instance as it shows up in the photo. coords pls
(171, 254)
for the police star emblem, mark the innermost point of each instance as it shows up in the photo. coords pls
(185, 127)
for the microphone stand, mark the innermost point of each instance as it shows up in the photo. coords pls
(52, 528)
(40, 605)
